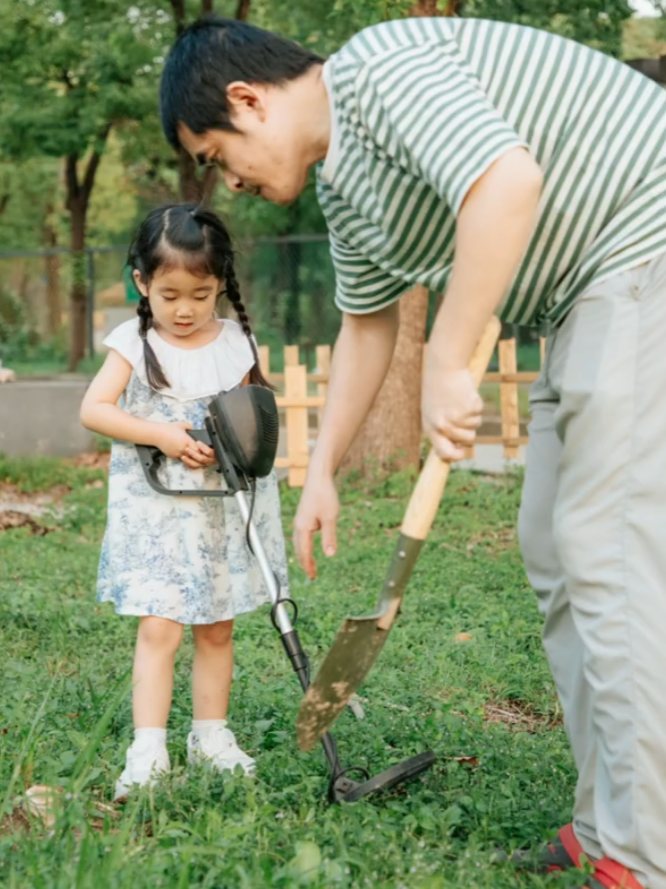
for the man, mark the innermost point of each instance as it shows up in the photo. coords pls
(525, 175)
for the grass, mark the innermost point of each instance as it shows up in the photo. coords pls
(485, 705)
(53, 367)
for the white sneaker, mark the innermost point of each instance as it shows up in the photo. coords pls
(146, 759)
(218, 748)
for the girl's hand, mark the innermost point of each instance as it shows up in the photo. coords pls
(174, 441)
(198, 455)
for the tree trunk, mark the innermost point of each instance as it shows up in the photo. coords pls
(77, 300)
(78, 201)
(194, 187)
(391, 434)
(432, 8)
(188, 182)
(242, 10)
(292, 311)
(52, 275)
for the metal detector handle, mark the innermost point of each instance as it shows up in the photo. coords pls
(200, 435)
(151, 457)
(424, 502)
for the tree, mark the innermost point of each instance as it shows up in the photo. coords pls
(597, 23)
(29, 218)
(390, 437)
(383, 439)
(192, 186)
(71, 73)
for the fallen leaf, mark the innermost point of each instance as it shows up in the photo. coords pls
(396, 707)
(307, 861)
(41, 801)
(470, 761)
(10, 518)
(463, 637)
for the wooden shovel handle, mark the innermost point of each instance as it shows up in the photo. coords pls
(425, 498)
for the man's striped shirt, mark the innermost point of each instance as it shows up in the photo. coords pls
(422, 107)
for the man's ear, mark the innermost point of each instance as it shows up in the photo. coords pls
(245, 97)
(138, 280)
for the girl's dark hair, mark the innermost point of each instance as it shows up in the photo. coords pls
(208, 56)
(186, 236)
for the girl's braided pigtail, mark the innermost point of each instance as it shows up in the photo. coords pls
(154, 372)
(233, 294)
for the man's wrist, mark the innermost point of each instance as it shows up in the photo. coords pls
(322, 465)
(445, 360)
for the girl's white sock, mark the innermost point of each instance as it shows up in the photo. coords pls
(155, 736)
(203, 727)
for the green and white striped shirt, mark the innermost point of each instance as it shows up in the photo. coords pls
(422, 107)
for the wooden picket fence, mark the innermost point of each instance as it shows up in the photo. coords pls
(296, 396)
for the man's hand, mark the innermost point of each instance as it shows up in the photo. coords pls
(360, 362)
(317, 511)
(451, 408)
(493, 230)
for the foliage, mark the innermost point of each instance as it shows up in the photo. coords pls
(71, 69)
(13, 325)
(114, 203)
(29, 194)
(71, 73)
(644, 38)
(597, 23)
(494, 785)
(114, 50)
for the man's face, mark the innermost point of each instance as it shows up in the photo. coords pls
(264, 156)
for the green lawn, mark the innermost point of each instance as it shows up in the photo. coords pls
(485, 705)
(51, 367)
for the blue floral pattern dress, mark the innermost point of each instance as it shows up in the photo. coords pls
(185, 559)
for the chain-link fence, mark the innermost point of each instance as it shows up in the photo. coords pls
(287, 285)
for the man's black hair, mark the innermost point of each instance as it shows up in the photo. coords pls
(211, 54)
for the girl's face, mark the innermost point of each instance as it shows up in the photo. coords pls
(181, 302)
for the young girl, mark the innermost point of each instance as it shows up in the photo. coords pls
(174, 562)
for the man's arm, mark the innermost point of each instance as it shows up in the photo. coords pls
(493, 229)
(361, 360)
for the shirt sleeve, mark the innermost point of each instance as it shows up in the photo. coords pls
(425, 102)
(361, 286)
(125, 340)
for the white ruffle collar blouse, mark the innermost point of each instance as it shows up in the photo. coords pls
(218, 366)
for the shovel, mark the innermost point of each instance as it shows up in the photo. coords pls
(360, 639)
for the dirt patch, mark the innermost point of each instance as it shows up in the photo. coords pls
(12, 494)
(10, 519)
(19, 509)
(502, 538)
(17, 821)
(519, 716)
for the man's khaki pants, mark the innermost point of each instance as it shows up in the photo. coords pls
(593, 534)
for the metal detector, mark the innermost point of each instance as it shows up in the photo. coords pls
(242, 428)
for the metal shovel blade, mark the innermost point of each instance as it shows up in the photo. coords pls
(354, 651)
(360, 639)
